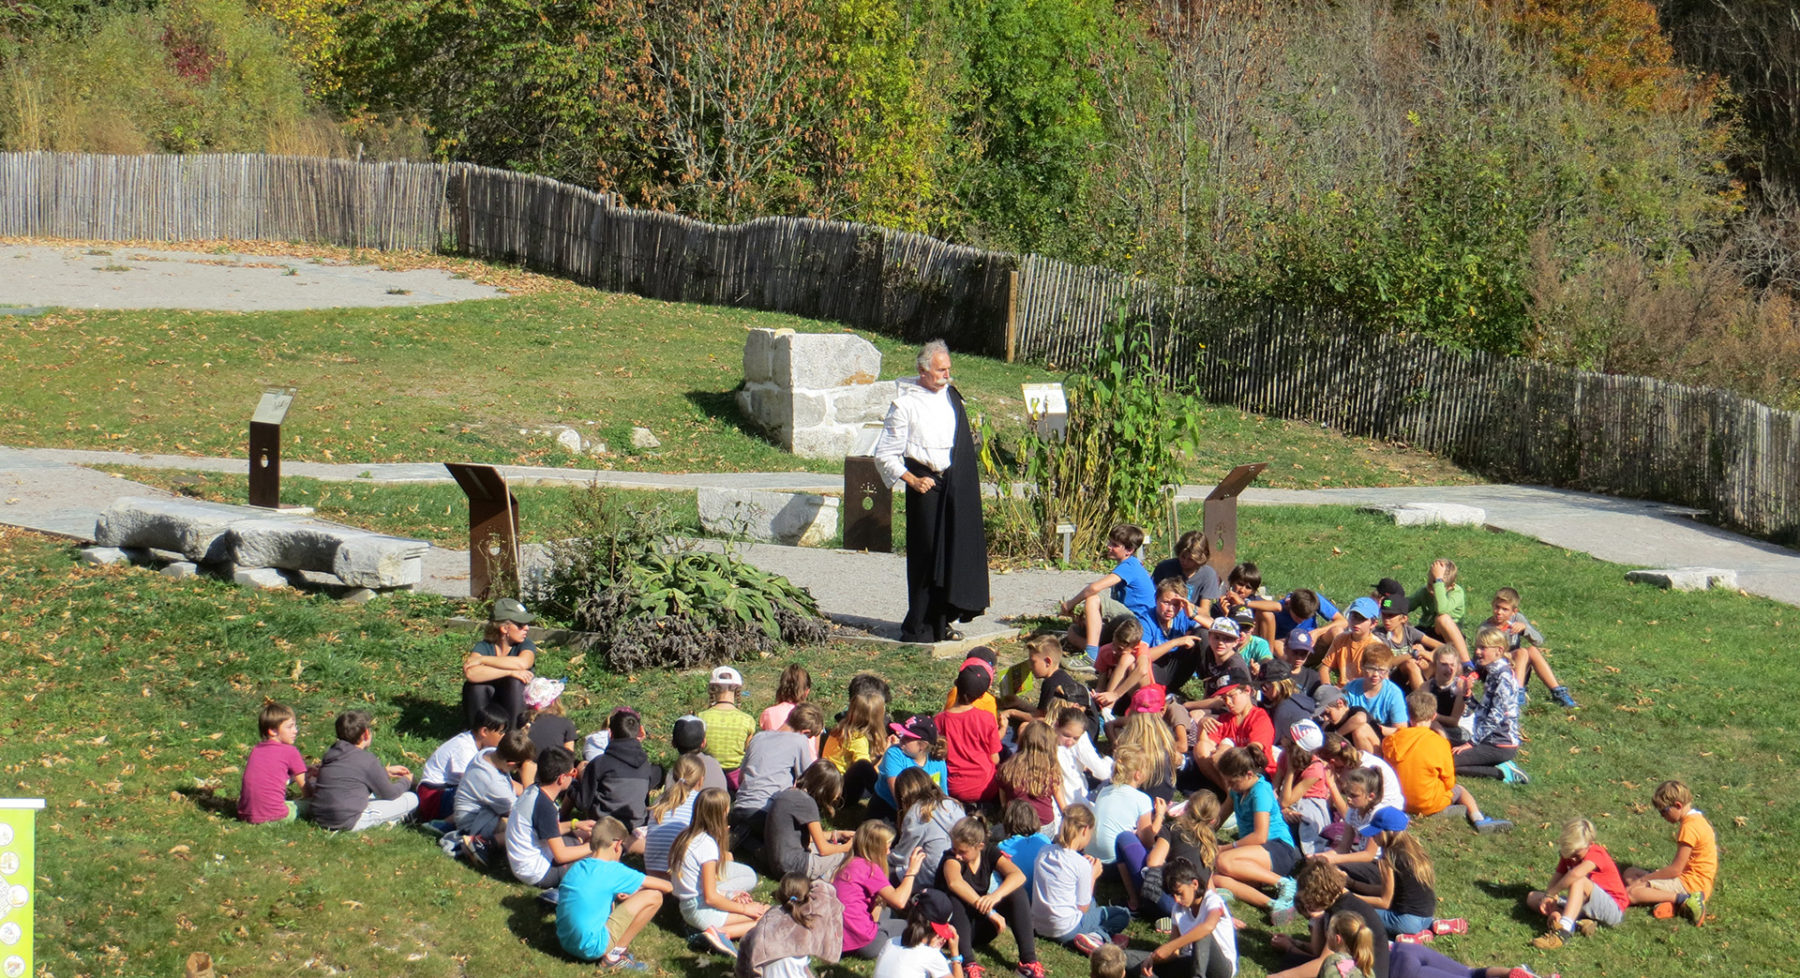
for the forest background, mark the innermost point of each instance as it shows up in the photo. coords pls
(1607, 184)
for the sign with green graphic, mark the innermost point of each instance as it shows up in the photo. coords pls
(18, 866)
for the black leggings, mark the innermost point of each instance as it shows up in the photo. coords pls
(1481, 760)
(507, 694)
(974, 927)
(859, 779)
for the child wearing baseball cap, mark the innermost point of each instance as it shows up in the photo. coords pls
(728, 728)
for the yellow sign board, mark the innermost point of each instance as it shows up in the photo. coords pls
(18, 867)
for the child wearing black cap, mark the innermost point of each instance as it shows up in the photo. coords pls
(689, 739)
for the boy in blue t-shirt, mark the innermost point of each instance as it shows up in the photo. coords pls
(1307, 610)
(602, 903)
(1376, 694)
(1126, 590)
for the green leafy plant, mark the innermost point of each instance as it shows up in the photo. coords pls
(1126, 437)
(649, 599)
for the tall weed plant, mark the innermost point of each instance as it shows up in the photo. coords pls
(1128, 432)
(649, 599)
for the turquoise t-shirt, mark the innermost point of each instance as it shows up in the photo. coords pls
(1261, 798)
(585, 900)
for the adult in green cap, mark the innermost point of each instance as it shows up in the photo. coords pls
(498, 667)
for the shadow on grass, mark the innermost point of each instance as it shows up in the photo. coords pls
(429, 720)
(1514, 894)
(532, 921)
(209, 801)
(722, 406)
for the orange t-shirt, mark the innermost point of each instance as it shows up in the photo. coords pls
(1346, 655)
(985, 701)
(1427, 770)
(1703, 858)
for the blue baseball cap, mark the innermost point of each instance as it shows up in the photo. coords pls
(1365, 609)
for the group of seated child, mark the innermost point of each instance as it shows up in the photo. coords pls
(1262, 752)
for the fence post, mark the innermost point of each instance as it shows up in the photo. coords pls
(1012, 313)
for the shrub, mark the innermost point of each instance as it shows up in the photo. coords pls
(649, 600)
(1125, 429)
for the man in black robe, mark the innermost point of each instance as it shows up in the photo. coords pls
(925, 443)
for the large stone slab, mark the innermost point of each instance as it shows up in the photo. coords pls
(813, 393)
(1431, 514)
(293, 545)
(801, 519)
(1685, 578)
(189, 527)
(814, 361)
(371, 560)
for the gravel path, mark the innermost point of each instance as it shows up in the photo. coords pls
(104, 276)
(49, 490)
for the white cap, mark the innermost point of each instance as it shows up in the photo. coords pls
(727, 676)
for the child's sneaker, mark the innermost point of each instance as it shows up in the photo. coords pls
(550, 896)
(1511, 773)
(440, 827)
(1165, 926)
(1561, 695)
(1586, 926)
(1031, 969)
(974, 971)
(1694, 907)
(1524, 698)
(1089, 943)
(478, 849)
(1490, 825)
(1454, 925)
(1548, 942)
(619, 959)
(451, 844)
(1663, 911)
(716, 939)
(1285, 890)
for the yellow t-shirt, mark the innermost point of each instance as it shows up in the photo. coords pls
(1703, 858)
(984, 702)
(843, 752)
(728, 729)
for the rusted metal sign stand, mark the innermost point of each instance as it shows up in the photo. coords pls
(1220, 514)
(868, 507)
(265, 447)
(493, 529)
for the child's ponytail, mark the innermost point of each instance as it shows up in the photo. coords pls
(1349, 927)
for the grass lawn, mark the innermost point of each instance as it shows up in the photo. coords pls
(458, 382)
(131, 700)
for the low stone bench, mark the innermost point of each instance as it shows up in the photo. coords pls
(1685, 578)
(1431, 514)
(237, 539)
(795, 519)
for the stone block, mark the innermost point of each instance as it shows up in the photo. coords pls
(810, 408)
(262, 578)
(1685, 578)
(825, 441)
(294, 545)
(792, 518)
(194, 529)
(813, 361)
(863, 403)
(374, 561)
(102, 556)
(1431, 514)
(759, 355)
(180, 570)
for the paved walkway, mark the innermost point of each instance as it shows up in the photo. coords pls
(112, 276)
(50, 490)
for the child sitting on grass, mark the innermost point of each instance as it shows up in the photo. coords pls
(486, 796)
(874, 906)
(1686, 883)
(355, 791)
(807, 923)
(1126, 589)
(602, 903)
(793, 688)
(1442, 605)
(1264, 853)
(699, 868)
(728, 728)
(273, 764)
(540, 845)
(444, 769)
(1596, 891)
(971, 737)
(988, 896)
(1025, 838)
(1426, 767)
(1062, 889)
(1495, 742)
(1525, 643)
(1204, 941)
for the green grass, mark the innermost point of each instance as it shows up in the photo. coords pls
(130, 703)
(458, 382)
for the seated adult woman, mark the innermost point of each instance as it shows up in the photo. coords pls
(498, 667)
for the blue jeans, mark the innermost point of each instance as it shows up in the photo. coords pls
(1403, 923)
(1099, 919)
